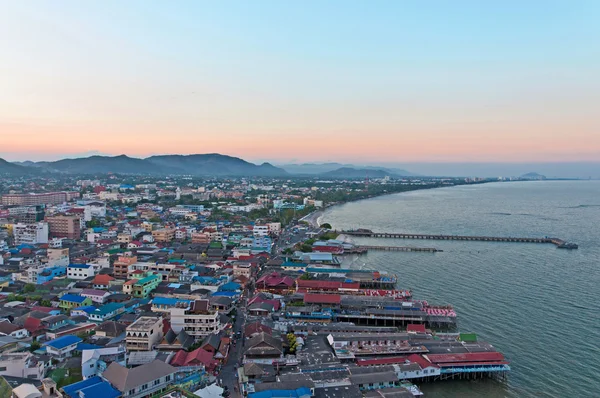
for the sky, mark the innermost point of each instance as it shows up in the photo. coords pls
(302, 81)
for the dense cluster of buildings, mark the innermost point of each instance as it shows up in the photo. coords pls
(109, 289)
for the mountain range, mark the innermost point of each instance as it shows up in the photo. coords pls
(323, 168)
(200, 165)
(352, 173)
(7, 168)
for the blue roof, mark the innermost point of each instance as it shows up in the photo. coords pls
(86, 346)
(108, 308)
(299, 392)
(100, 390)
(84, 266)
(87, 308)
(63, 342)
(226, 294)
(231, 286)
(168, 301)
(94, 387)
(74, 298)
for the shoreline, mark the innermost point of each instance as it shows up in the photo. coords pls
(313, 217)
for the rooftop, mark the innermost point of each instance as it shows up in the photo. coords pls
(143, 323)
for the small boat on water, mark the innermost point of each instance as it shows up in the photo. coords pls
(569, 246)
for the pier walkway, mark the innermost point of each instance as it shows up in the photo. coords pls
(368, 233)
(401, 248)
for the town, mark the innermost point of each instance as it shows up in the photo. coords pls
(138, 286)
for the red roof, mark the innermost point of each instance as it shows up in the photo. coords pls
(314, 298)
(47, 310)
(255, 328)
(274, 279)
(102, 279)
(197, 357)
(32, 324)
(423, 363)
(416, 328)
(467, 357)
(313, 284)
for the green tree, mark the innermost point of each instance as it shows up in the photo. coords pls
(35, 345)
(293, 344)
(29, 288)
(46, 303)
(326, 225)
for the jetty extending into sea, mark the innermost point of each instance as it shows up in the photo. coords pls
(562, 244)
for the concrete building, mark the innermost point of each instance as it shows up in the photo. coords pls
(94, 362)
(33, 199)
(64, 226)
(31, 234)
(242, 269)
(197, 318)
(58, 257)
(121, 266)
(144, 334)
(62, 347)
(164, 235)
(80, 271)
(21, 364)
(260, 230)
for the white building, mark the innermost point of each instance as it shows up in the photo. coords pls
(260, 230)
(94, 362)
(31, 234)
(80, 271)
(197, 318)
(62, 347)
(21, 364)
(144, 334)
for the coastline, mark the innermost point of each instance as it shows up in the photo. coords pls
(313, 218)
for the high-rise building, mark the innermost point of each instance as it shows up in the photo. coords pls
(31, 234)
(64, 226)
(33, 199)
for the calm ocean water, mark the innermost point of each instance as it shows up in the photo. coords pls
(538, 305)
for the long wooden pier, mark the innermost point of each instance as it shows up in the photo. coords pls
(401, 248)
(367, 233)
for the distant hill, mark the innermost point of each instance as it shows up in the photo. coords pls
(200, 165)
(215, 164)
(320, 168)
(7, 168)
(349, 172)
(533, 176)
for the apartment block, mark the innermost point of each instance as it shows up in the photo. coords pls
(164, 235)
(197, 318)
(144, 334)
(31, 234)
(121, 266)
(64, 226)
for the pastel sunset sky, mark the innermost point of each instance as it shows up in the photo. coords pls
(394, 81)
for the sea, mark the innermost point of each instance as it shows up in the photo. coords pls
(537, 304)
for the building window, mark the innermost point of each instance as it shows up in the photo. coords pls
(2, 368)
(131, 392)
